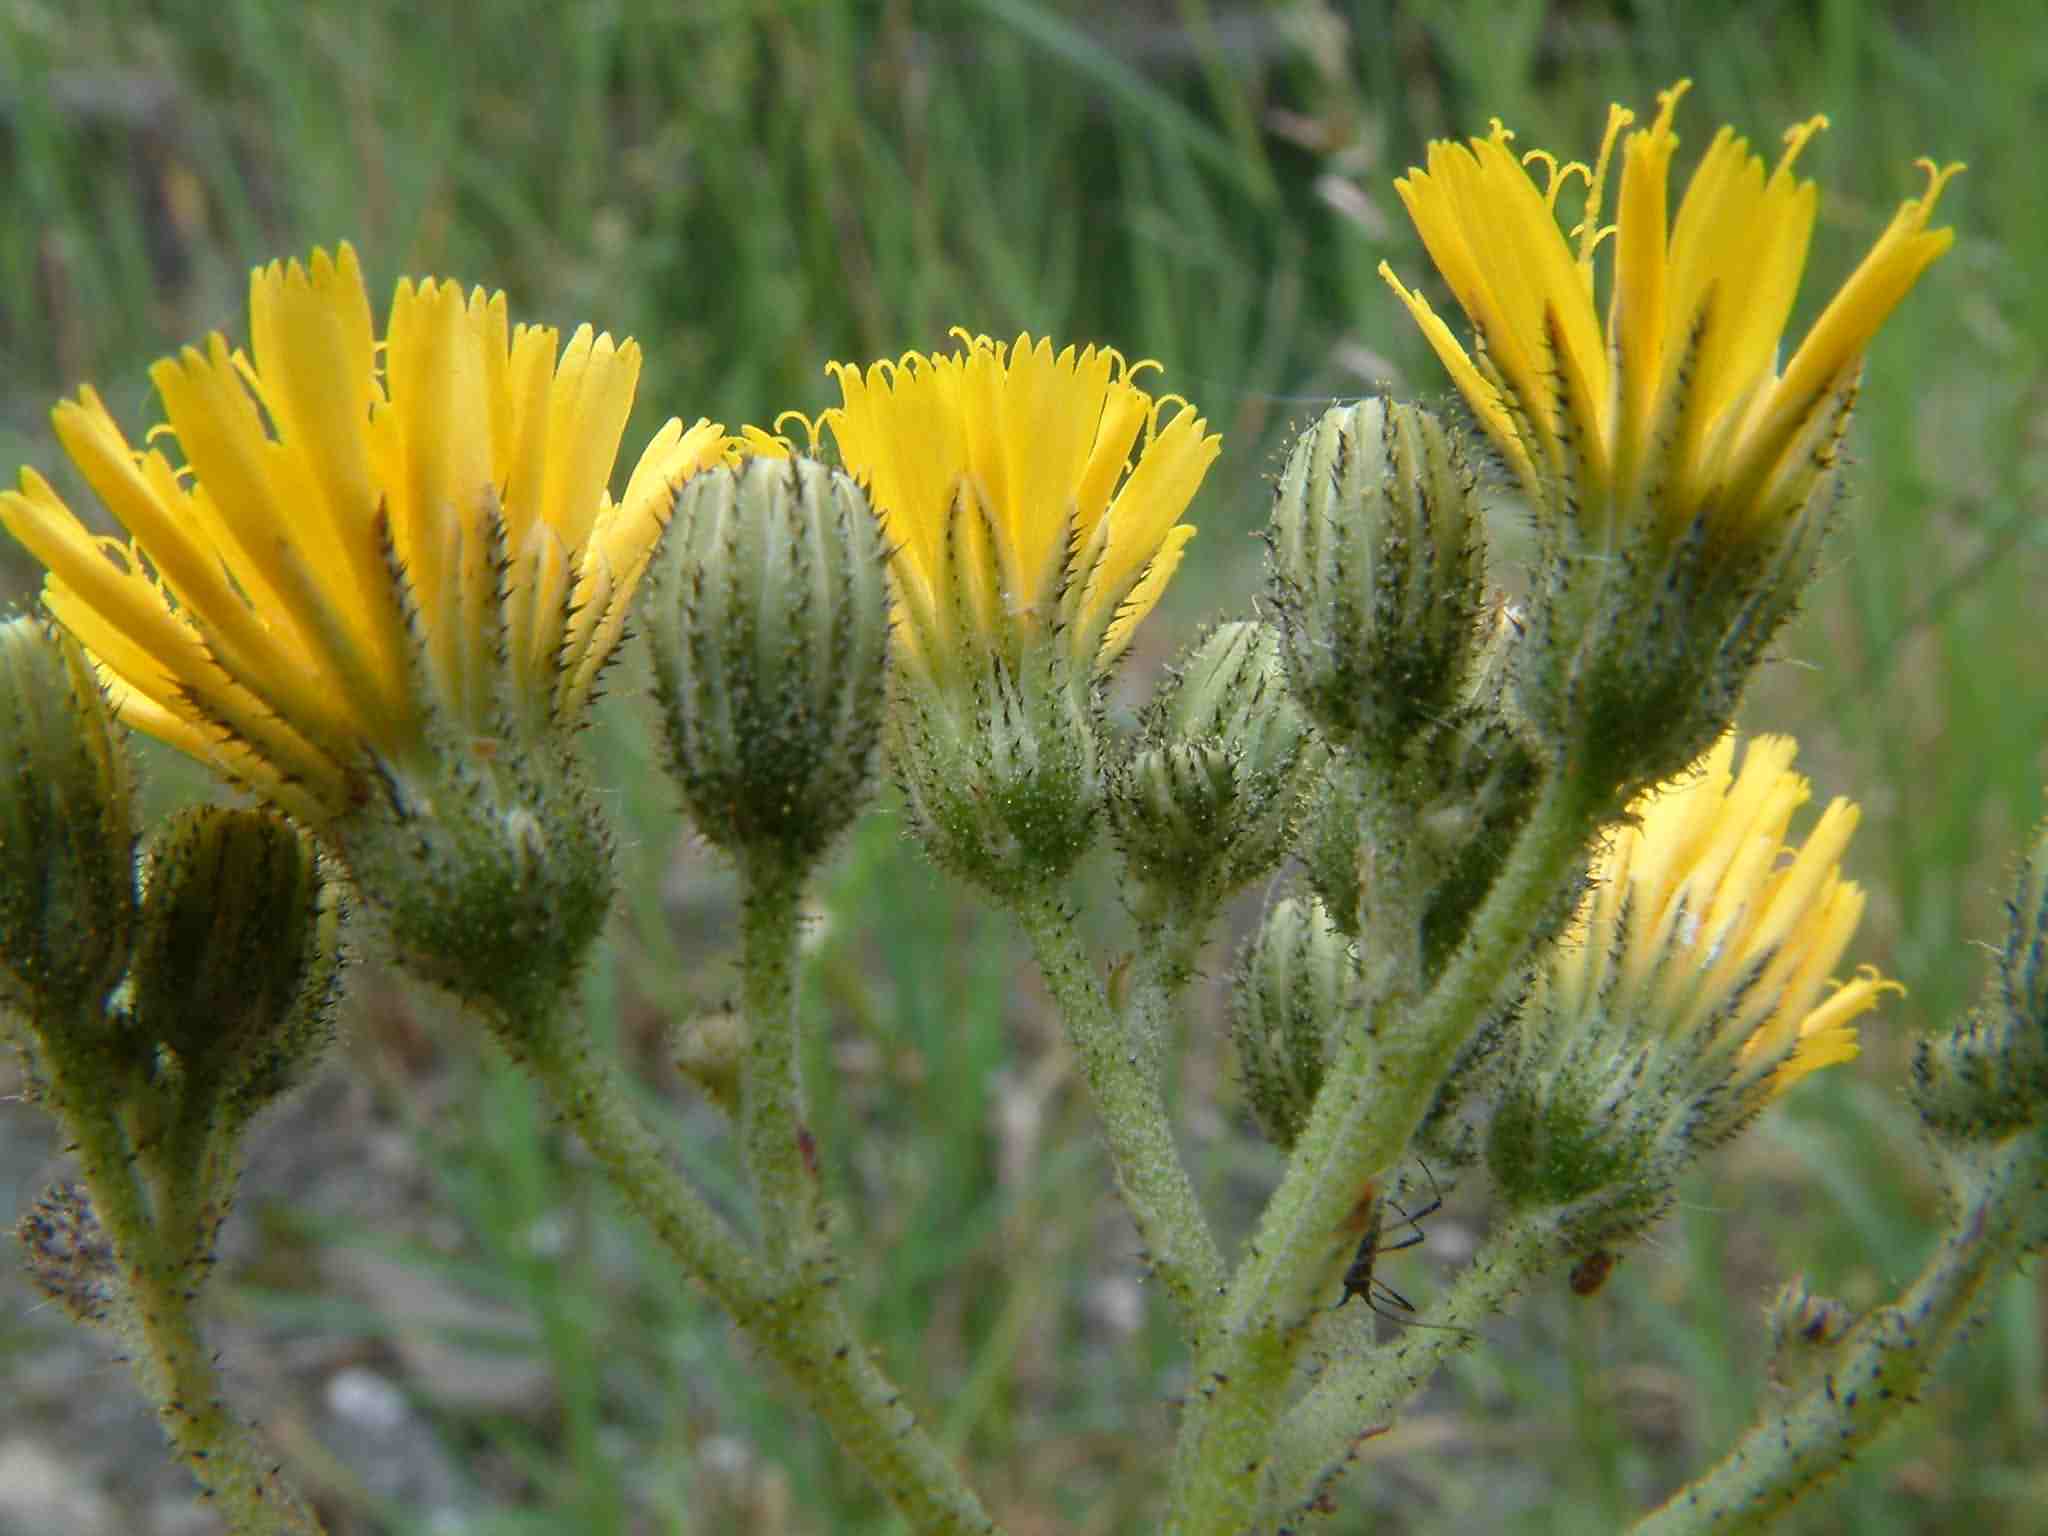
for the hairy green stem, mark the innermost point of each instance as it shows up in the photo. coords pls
(773, 1137)
(193, 1171)
(1378, 1088)
(794, 1315)
(1878, 1370)
(1362, 1387)
(1121, 1065)
(1164, 965)
(173, 1366)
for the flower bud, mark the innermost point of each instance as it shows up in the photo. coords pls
(1294, 978)
(709, 1051)
(769, 617)
(70, 1258)
(1988, 1078)
(1807, 1330)
(1378, 567)
(237, 955)
(67, 831)
(1203, 806)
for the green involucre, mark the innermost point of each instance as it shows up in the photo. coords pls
(767, 613)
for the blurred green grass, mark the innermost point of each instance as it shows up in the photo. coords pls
(753, 188)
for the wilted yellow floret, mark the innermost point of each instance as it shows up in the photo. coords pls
(352, 553)
(1675, 408)
(1006, 479)
(1713, 936)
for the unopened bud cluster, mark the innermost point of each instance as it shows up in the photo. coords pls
(174, 1001)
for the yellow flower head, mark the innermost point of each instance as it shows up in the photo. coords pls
(368, 540)
(1675, 409)
(1005, 478)
(1706, 936)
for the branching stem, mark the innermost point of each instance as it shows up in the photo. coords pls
(172, 1364)
(1121, 1063)
(1379, 1086)
(1362, 1387)
(793, 1314)
(1884, 1361)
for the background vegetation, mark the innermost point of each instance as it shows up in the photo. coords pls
(427, 1295)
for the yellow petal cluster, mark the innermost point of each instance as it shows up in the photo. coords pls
(1028, 493)
(1716, 937)
(1675, 408)
(367, 539)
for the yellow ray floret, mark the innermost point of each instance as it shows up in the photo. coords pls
(1674, 408)
(1713, 934)
(1028, 493)
(352, 552)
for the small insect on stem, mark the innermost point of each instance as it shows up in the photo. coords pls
(1591, 1272)
(1359, 1279)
